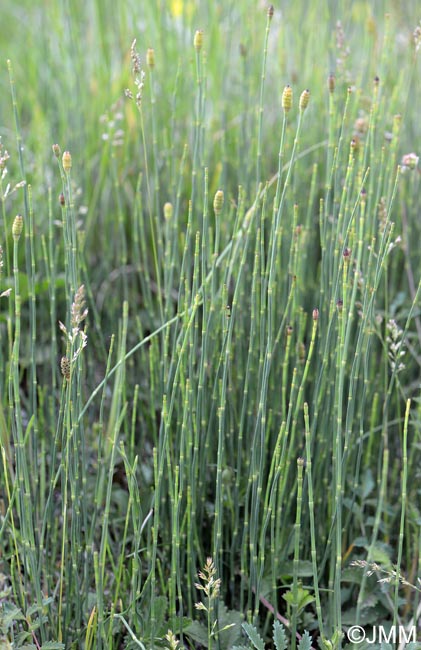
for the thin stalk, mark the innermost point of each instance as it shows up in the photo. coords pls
(260, 107)
(296, 561)
(404, 481)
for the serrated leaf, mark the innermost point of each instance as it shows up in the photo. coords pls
(33, 609)
(368, 616)
(352, 574)
(305, 642)
(279, 636)
(10, 614)
(181, 624)
(380, 554)
(254, 636)
(370, 600)
(240, 647)
(52, 645)
(21, 639)
(198, 633)
(229, 626)
(305, 600)
(302, 598)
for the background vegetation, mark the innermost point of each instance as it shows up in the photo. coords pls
(209, 323)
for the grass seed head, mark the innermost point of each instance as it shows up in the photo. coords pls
(78, 311)
(135, 58)
(361, 124)
(355, 144)
(56, 150)
(417, 37)
(409, 161)
(271, 11)
(173, 642)
(4, 157)
(331, 82)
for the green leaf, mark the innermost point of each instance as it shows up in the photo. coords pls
(198, 633)
(21, 638)
(40, 286)
(301, 599)
(361, 542)
(161, 626)
(305, 642)
(229, 626)
(279, 636)
(368, 615)
(352, 575)
(181, 624)
(10, 614)
(254, 636)
(380, 553)
(368, 483)
(305, 569)
(352, 505)
(52, 645)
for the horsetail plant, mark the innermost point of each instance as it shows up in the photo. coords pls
(198, 223)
